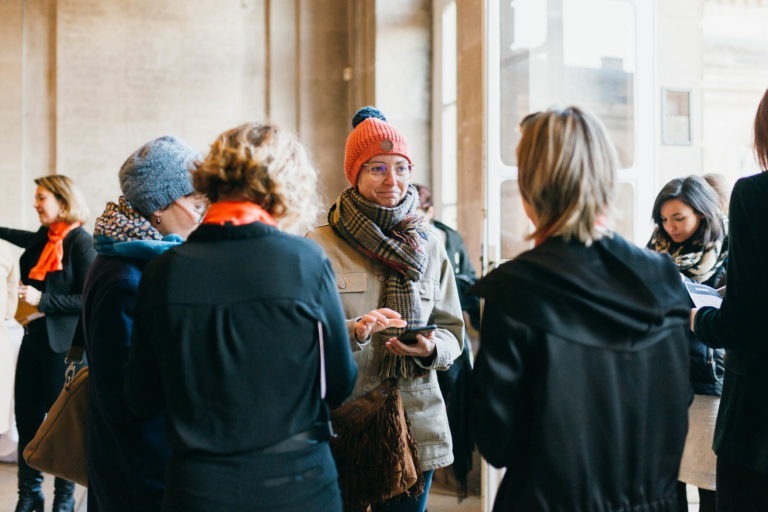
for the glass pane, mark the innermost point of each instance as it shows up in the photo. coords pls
(625, 217)
(558, 52)
(450, 195)
(734, 54)
(514, 223)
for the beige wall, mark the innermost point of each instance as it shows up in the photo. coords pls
(85, 82)
(679, 67)
(403, 75)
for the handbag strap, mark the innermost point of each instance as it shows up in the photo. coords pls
(322, 359)
(74, 355)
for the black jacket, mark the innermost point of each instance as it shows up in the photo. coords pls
(741, 432)
(581, 381)
(225, 338)
(127, 455)
(61, 300)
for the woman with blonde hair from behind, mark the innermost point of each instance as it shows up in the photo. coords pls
(227, 338)
(581, 381)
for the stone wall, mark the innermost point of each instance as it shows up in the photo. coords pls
(86, 82)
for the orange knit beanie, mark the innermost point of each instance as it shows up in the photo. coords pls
(371, 136)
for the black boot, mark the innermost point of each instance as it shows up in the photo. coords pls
(63, 501)
(30, 501)
(31, 498)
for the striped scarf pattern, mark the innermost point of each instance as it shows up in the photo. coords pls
(394, 237)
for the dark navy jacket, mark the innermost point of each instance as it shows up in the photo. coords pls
(226, 339)
(127, 454)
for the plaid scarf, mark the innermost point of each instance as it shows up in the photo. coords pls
(393, 237)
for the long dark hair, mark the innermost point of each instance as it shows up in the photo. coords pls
(696, 193)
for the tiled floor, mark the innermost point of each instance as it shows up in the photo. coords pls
(8, 490)
(438, 502)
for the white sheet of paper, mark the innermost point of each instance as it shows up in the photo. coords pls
(703, 295)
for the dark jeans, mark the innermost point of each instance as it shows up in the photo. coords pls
(39, 379)
(413, 504)
(740, 489)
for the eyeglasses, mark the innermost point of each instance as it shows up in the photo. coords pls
(197, 211)
(380, 170)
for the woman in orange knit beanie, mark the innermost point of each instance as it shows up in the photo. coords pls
(392, 271)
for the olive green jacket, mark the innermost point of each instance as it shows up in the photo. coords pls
(360, 281)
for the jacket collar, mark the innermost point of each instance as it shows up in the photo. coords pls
(213, 232)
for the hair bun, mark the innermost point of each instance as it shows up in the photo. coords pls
(366, 112)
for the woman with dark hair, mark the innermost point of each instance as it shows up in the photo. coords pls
(227, 338)
(53, 266)
(581, 381)
(741, 431)
(691, 228)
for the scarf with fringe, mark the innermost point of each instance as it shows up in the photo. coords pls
(694, 259)
(122, 231)
(394, 237)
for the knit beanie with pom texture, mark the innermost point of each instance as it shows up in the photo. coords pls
(371, 136)
(157, 174)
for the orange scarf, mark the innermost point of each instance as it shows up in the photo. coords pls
(237, 213)
(53, 252)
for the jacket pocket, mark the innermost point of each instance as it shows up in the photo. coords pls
(352, 288)
(428, 290)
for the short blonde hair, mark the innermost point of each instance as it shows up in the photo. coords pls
(73, 207)
(566, 173)
(266, 165)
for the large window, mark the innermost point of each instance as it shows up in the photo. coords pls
(560, 52)
(444, 90)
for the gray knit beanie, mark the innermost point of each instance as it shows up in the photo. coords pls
(157, 174)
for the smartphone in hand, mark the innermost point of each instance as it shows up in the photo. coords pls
(409, 336)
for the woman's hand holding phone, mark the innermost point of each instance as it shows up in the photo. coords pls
(418, 341)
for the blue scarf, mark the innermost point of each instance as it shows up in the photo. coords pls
(124, 232)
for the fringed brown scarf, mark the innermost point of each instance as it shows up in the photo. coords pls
(376, 455)
(394, 237)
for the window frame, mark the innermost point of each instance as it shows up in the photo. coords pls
(640, 176)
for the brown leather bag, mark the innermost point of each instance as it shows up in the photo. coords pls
(374, 449)
(58, 447)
